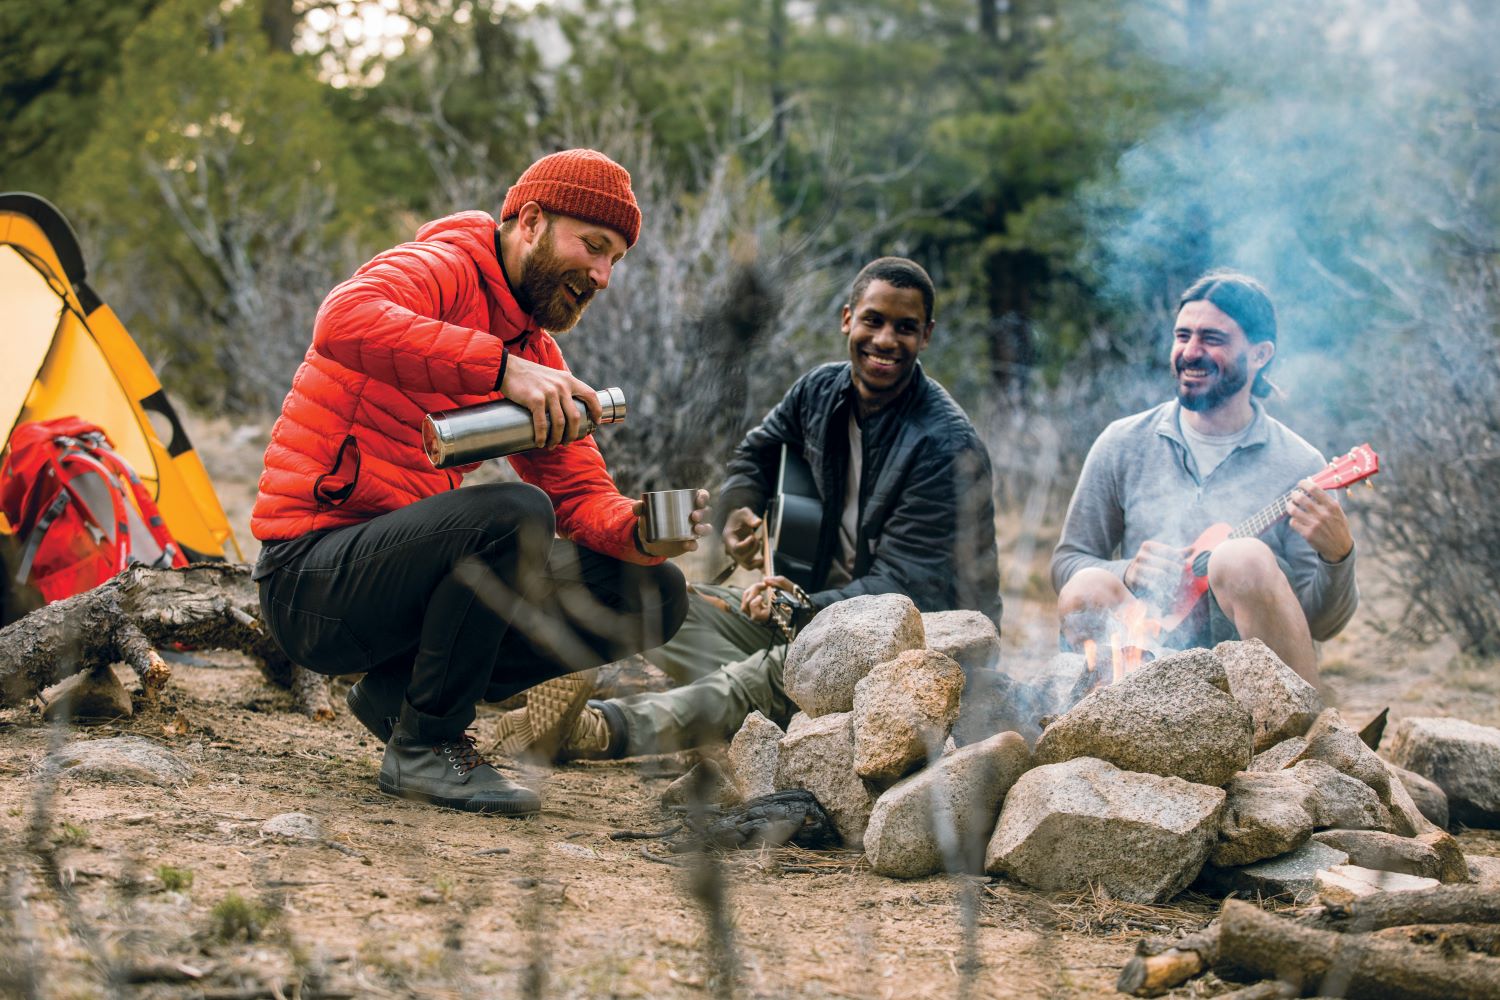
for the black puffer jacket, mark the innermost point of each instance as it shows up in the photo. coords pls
(926, 513)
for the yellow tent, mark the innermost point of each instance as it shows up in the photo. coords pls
(63, 352)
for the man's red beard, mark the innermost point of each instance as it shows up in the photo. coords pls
(544, 290)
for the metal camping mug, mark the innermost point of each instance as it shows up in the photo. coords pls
(492, 430)
(667, 515)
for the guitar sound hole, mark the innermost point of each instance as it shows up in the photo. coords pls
(1200, 564)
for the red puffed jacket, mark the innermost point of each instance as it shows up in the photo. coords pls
(416, 330)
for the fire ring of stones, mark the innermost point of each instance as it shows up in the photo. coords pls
(1220, 769)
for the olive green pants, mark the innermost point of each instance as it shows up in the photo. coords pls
(727, 665)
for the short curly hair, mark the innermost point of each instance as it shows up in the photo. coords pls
(896, 271)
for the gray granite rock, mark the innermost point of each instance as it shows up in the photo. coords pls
(705, 783)
(1140, 837)
(1406, 819)
(121, 758)
(91, 696)
(1462, 758)
(1290, 876)
(966, 637)
(1484, 870)
(844, 642)
(1340, 801)
(293, 826)
(1279, 756)
(1453, 866)
(1281, 703)
(819, 757)
(798, 722)
(1265, 814)
(1174, 717)
(1341, 885)
(753, 754)
(940, 818)
(903, 711)
(1429, 799)
(1332, 741)
(1385, 851)
(972, 641)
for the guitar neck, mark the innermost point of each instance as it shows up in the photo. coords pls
(1262, 520)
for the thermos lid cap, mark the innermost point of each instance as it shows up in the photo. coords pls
(612, 405)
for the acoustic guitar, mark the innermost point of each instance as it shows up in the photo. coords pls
(794, 517)
(1360, 463)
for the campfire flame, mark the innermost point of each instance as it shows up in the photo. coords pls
(1130, 644)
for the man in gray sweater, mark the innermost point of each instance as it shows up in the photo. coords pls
(1154, 481)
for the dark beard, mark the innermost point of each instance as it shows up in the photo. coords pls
(542, 292)
(1230, 381)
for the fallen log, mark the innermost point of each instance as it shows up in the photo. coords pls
(1441, 904)
(1253, 943)
(1452, 918)
(1480, 939)
(129, 616)
(1162, 964)
(1261, 991)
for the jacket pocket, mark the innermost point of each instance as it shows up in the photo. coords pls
(336, 485)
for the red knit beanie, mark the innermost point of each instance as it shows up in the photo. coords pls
(581, 183)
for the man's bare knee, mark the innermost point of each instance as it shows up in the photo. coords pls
(1244, 568)
(1090, 589)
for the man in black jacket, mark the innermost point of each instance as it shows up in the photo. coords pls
(905, 487)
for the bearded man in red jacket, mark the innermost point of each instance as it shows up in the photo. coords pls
(373, 560)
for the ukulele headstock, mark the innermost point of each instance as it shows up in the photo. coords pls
(1346, 470)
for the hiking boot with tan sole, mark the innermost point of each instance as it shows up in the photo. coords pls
(537, 732)
(592, 737)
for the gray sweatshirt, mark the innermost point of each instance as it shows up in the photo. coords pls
(1140, 482)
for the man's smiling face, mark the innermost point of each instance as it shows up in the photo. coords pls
(569, 262)
(886, 329)
(1212, 360)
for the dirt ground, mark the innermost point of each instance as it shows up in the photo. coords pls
(397, 899)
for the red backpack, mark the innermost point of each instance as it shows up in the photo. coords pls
(79, 511)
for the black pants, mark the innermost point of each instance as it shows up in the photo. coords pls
(464, 596)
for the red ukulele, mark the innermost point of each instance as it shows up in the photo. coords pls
(1360, 463)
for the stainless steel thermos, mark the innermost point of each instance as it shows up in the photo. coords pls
(491, 430)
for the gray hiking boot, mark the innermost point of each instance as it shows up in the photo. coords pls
(375, 713)
(452, 774)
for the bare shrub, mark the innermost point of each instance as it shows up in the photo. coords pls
(1434, 514)
(270, 266)
(711, 316)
